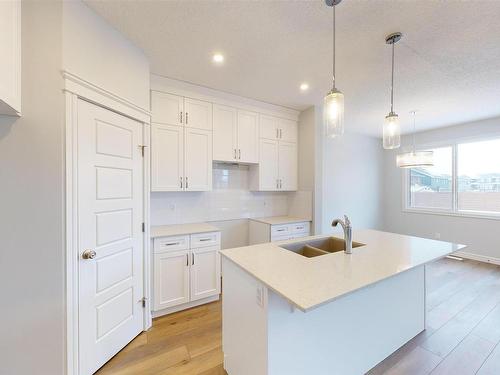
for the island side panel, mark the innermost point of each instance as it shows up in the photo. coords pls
(244, 322)
(349, 335)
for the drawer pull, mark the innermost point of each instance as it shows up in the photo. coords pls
(204, 239)
(280, 230)
(172, 244)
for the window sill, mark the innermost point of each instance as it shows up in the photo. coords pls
(463, 214)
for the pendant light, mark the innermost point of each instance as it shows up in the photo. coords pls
(392, 131)
(333, 105)
(415, 158)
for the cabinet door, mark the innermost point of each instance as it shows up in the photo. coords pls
(224, 134)
(167, 157)
(268, 166)
(167, 108)
(288, 165)
(198, 114)
(171, 279)
(248, 137)
(288, 130)
(197, 160)
(205, 272)
(268, 127)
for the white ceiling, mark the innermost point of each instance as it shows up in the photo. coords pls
(447, 65)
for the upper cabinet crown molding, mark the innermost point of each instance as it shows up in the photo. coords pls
(10, 63)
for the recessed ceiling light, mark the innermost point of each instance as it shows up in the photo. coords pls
(304, 86)
(218, 58)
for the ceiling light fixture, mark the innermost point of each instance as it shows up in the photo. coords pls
(218, 58)
(415, 158)
(304, 87)
(392, 130)
(333, 105)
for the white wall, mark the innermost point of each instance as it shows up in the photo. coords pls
(97, 53)
(479, 234)
(31, 205)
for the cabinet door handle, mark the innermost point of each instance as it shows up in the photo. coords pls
(281, 183)
(277, 184)
(187, 183)
(239, 151)
(192, 258)
(187, 260)
(181, 117)
(281, 133)
(180, 178)
(235, 155)
(277, 133)
(187, 118)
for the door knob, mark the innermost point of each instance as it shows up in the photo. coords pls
(89, 254)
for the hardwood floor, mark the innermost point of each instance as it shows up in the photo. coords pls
(462, 335)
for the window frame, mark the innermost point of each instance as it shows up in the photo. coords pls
(454, 210)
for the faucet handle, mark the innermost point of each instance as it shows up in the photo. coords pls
(347, 221)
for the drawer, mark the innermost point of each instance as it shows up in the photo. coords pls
(301, 227)
(205, 239)
(281, 238)
(280, 230)
(175, 243)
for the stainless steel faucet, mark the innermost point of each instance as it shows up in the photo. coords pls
(346, 226)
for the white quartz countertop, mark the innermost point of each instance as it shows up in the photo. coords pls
(276, 220)
(310, 282)
(181, 229)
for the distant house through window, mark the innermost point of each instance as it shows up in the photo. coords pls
(465, 179)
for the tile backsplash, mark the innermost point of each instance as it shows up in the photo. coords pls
(230, 199)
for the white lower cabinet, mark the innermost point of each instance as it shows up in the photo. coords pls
(262, 232)
(186, 271)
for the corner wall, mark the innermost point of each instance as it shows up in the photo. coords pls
(480, 234)
(32, 253)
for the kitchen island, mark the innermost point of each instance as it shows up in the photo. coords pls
(306, 307)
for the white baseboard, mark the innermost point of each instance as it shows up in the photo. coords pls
(185, 306)
(479, 258)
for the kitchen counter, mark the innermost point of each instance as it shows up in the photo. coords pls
(310, 282)
(277, 220)
(181, 229)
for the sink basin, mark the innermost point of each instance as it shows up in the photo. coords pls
(320, 246)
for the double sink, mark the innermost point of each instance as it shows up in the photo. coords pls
(319, 246)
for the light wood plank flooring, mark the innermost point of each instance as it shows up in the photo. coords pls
(462, 335)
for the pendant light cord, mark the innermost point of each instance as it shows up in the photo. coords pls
(333, 55)
(392, 80)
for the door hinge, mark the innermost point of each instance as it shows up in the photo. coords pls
(143, 227)
(142, 147)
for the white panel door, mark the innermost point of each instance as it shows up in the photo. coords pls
(205, 272)
(224, 133)
(268, 166)
(268, 127)
(197, 160)
(171, 279)
(288, 166)
(248, 137)
(167, 108)
(288, 130)
(167, 158)
(110, 216)
(198, 114)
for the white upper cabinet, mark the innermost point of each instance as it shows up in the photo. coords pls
(167, 157)
(181, 158)
(176, 110)
(10, 61)
(287, 156)
(197, 160)
(277, 128)
(288, 130)
(268, 168)
(167, 108)
(197, 114)
(236, 135)
(225, 133)
(248, 137)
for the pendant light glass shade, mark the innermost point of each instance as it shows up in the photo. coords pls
(391, 131)
(333, 114)
(415, 159)
(333, 104)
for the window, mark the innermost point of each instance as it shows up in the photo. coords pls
(431, 187)
(465, 179)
